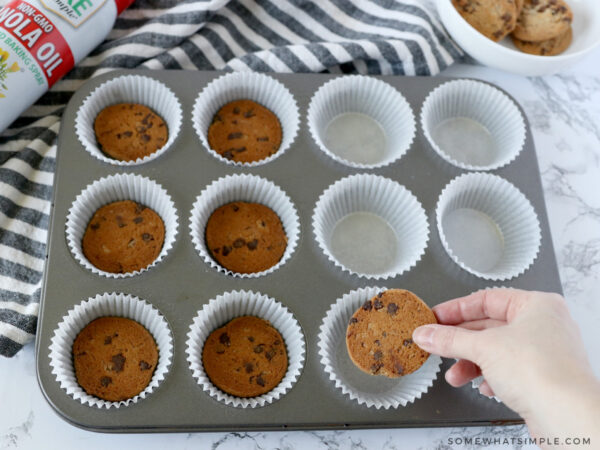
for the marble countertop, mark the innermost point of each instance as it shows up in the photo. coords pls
(564, 113)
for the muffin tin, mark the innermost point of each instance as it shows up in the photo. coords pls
(182, 283)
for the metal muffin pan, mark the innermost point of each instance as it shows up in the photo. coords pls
(308, 283)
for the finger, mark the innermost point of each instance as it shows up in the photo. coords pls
(486, 390)
(462, 372)
(483, 324)
(449, 342)
(497, 303)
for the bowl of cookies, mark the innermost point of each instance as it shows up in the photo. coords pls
(525, 37)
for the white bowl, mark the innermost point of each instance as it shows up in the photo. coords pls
(505, 56)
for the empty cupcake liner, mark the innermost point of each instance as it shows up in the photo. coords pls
(116, 188)
(382, 197)
(128, 89)
(368, 96)
(257, 87)
(504, 205)
(243, 188)
(220, 310)
(483, 104)
(102, 305)
(372, 391)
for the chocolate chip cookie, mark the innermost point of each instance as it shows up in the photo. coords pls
(244, 131)
(123, 237)
(541, 20)
(128, 131)
(379, 334)
(246, 357)
(114, 358)
(245, 237)
(495, 19)
(550, 47)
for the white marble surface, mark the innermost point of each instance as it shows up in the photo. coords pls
(564, 112)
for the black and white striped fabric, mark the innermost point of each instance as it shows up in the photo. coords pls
(364, 36)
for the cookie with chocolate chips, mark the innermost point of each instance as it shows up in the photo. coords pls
(114, 358)
(245, 131)
(493, 18)
(246, 357)
(245, 237)
(123, 237)
(379, 334)
(541, 20)
(128, 131)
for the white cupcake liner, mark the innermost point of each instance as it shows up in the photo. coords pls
(507, 207)
(483, 104)
(116, 188)
(128, 89)
(476, 382)
(372, 391)
(384, 198)
(222, 309)
(371, 97)
(243, 188)
(257, 87)
(103, 305)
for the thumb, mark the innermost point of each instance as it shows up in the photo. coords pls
(449, 341)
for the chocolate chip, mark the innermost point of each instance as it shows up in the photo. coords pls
(145, 119)
(375, 367)
(353, 320)
(392, 309)
(497, 34)
(398, 367)
(236, 208)
(235, 135)
(144, 365)
(260, 381)
(380, 294)
(220, 352)
(107, 340)
(269, 355)
(249, 367)
(228, 154)
(226, 250)
(259, 348)
(239, 150)
(139, 208)
(239, 243)
(81, 354)
(377, 342)
(216, 250)
(367, 306)
(146, 237)
(277, 342)
(236, 110)
(407, 342)
(128, 133)
(224, 339)
(250, 338)
(252, 244)
(118, 362)
(105, 381)
(262, 139)
(138, 219)
(377, 355)
(95, 226)
(145, 138)
(377, 304)
(120, 222)
(131, 243)
(217, 118)
(249, 113)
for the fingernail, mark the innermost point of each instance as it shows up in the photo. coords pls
(423, 336)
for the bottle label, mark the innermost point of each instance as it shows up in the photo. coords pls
(35, 44)
(73, 11)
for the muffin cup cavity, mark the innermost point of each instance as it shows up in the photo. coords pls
(245, 188)
(220, 310)
(128, 89)
(473, 125)
(373, 119)
(504, 231)
(358, 219)
(257, 87)
(369, 390)
(102, 305)
(111, 189)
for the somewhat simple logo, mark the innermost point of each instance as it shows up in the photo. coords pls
(75, 12)
(5, 69)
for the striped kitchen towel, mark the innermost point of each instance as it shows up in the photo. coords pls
(361, 36)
